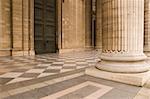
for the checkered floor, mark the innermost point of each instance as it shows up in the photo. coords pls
(16, 69)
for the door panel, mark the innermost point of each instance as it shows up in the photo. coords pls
(50, 25)
(45, 26)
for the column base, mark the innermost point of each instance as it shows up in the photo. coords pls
(124, 66)
(137, 79)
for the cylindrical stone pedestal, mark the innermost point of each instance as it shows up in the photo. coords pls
(123, 26)
(147, 28)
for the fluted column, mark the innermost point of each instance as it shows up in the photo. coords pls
(5, 28)
(123, 26)
(25, 24)
(59, 23)
(88, 25)
(31, 27)
(147, 28)
(99, 24)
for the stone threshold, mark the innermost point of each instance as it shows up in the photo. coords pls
(136, 79)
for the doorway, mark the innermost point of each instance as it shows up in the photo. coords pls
(45, 26)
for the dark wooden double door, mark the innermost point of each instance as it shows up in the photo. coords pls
(45, 26)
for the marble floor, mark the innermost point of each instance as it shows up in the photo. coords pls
(53, 76)
(16, 69)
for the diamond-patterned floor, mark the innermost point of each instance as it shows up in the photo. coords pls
(17, 69)
(82, 87)
(60, 76)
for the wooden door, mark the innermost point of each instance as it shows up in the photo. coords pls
(45, 26)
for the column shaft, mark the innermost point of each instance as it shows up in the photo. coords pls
(99, 24)
(59, 23)
(25, 27)
(31, 27)
(88, 25)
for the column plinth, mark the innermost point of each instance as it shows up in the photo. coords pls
(126, 63)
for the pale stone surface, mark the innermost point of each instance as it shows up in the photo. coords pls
(147, 85)
(133, 79)
(76, 25)
(144, 93)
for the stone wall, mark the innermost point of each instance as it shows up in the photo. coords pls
(76, 26)
(5, 30)
(17, 36)
(21, 25)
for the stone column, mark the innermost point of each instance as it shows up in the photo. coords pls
(123, 26)
(99, 25)
(5, 28)
(59, 23)
(88, 25)
(147, 28)
(31, 27)
(25, 25)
